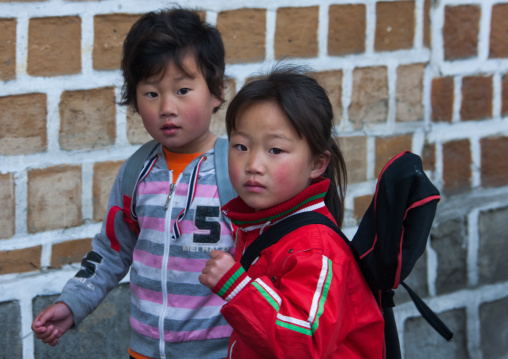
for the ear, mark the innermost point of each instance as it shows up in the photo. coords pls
(218, 100)
(319, 164)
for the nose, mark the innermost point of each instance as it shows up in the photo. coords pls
(168, 106)
(255, 163)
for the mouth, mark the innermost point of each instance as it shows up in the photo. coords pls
(169, 128)
(253, 186)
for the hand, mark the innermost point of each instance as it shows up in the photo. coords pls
(51, 323)
(218, 265)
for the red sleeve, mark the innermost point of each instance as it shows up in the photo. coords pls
(299, 319)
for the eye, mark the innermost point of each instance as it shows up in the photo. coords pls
(183, 91)
(275, 151)
(151, 94)
(241, 147)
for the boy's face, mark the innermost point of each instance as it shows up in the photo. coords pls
(268, 162)
(177, 109)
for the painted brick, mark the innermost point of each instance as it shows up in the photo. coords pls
(218, 124)
(331, 81)
(449, 240)
(408, 99)
(7, 49)
(389, 147)
(494, 162)
(7, 209)
(23, 124)
(69, 252)
(369, 99)
(427, 35)
(10, 340)
(87, 119)
(442, 98)
(493, 246)
(499, 31)
(421, 341)
(460, 31)
(103, 334)
(429, 157)
(20, 260)
(346, 29)
(54, 198)
(104, 174)
(136, 131)
(54, 46)
(477, 94)
(296, 32)
(244, 33)
(456, 166)
(395, 25)
(109, 33)
(504, 96)
(354, 150)
(360, 206)
(493, 328)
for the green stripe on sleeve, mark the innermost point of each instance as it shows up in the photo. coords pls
(293, 327)
(230, 281)
(267, 296)
(322, 300)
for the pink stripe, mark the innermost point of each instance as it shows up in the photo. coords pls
(144, 329)
(222, 331)
(174, 263)
(187, 265)
(175, 300)
(206, 191)
(156, 224)
(157, 187)
(146, 294)
(147, 259)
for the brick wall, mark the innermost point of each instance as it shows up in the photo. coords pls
(428, 76)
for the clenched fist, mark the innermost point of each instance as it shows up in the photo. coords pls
(218, 265)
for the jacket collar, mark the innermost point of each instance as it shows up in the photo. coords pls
(248, 219)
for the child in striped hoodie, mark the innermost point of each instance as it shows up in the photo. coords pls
(173, 68)
(304, 296)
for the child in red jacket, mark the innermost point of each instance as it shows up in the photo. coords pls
(303, 297)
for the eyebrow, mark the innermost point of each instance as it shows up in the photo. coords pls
(178, 78)
(270, 136)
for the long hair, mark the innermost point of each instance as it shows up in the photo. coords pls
(165, 36)
(309, 110)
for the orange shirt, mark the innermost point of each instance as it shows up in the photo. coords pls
(178, 161)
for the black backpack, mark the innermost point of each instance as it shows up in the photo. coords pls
(392, 235)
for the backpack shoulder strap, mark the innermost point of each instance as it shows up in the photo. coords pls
(273, 234)
(134, 165)
(226, 190)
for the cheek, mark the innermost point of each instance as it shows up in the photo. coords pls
(234, 172)
(290, 177)
(194, 114)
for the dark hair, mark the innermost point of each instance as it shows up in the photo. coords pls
(308, 108)
(165, 36)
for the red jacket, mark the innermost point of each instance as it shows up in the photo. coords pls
(305, 296)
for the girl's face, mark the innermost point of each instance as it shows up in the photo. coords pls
(268, 162)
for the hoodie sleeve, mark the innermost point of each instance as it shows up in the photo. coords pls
(106, 264)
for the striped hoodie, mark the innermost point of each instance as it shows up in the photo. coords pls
(303, 297)
(172, 314)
